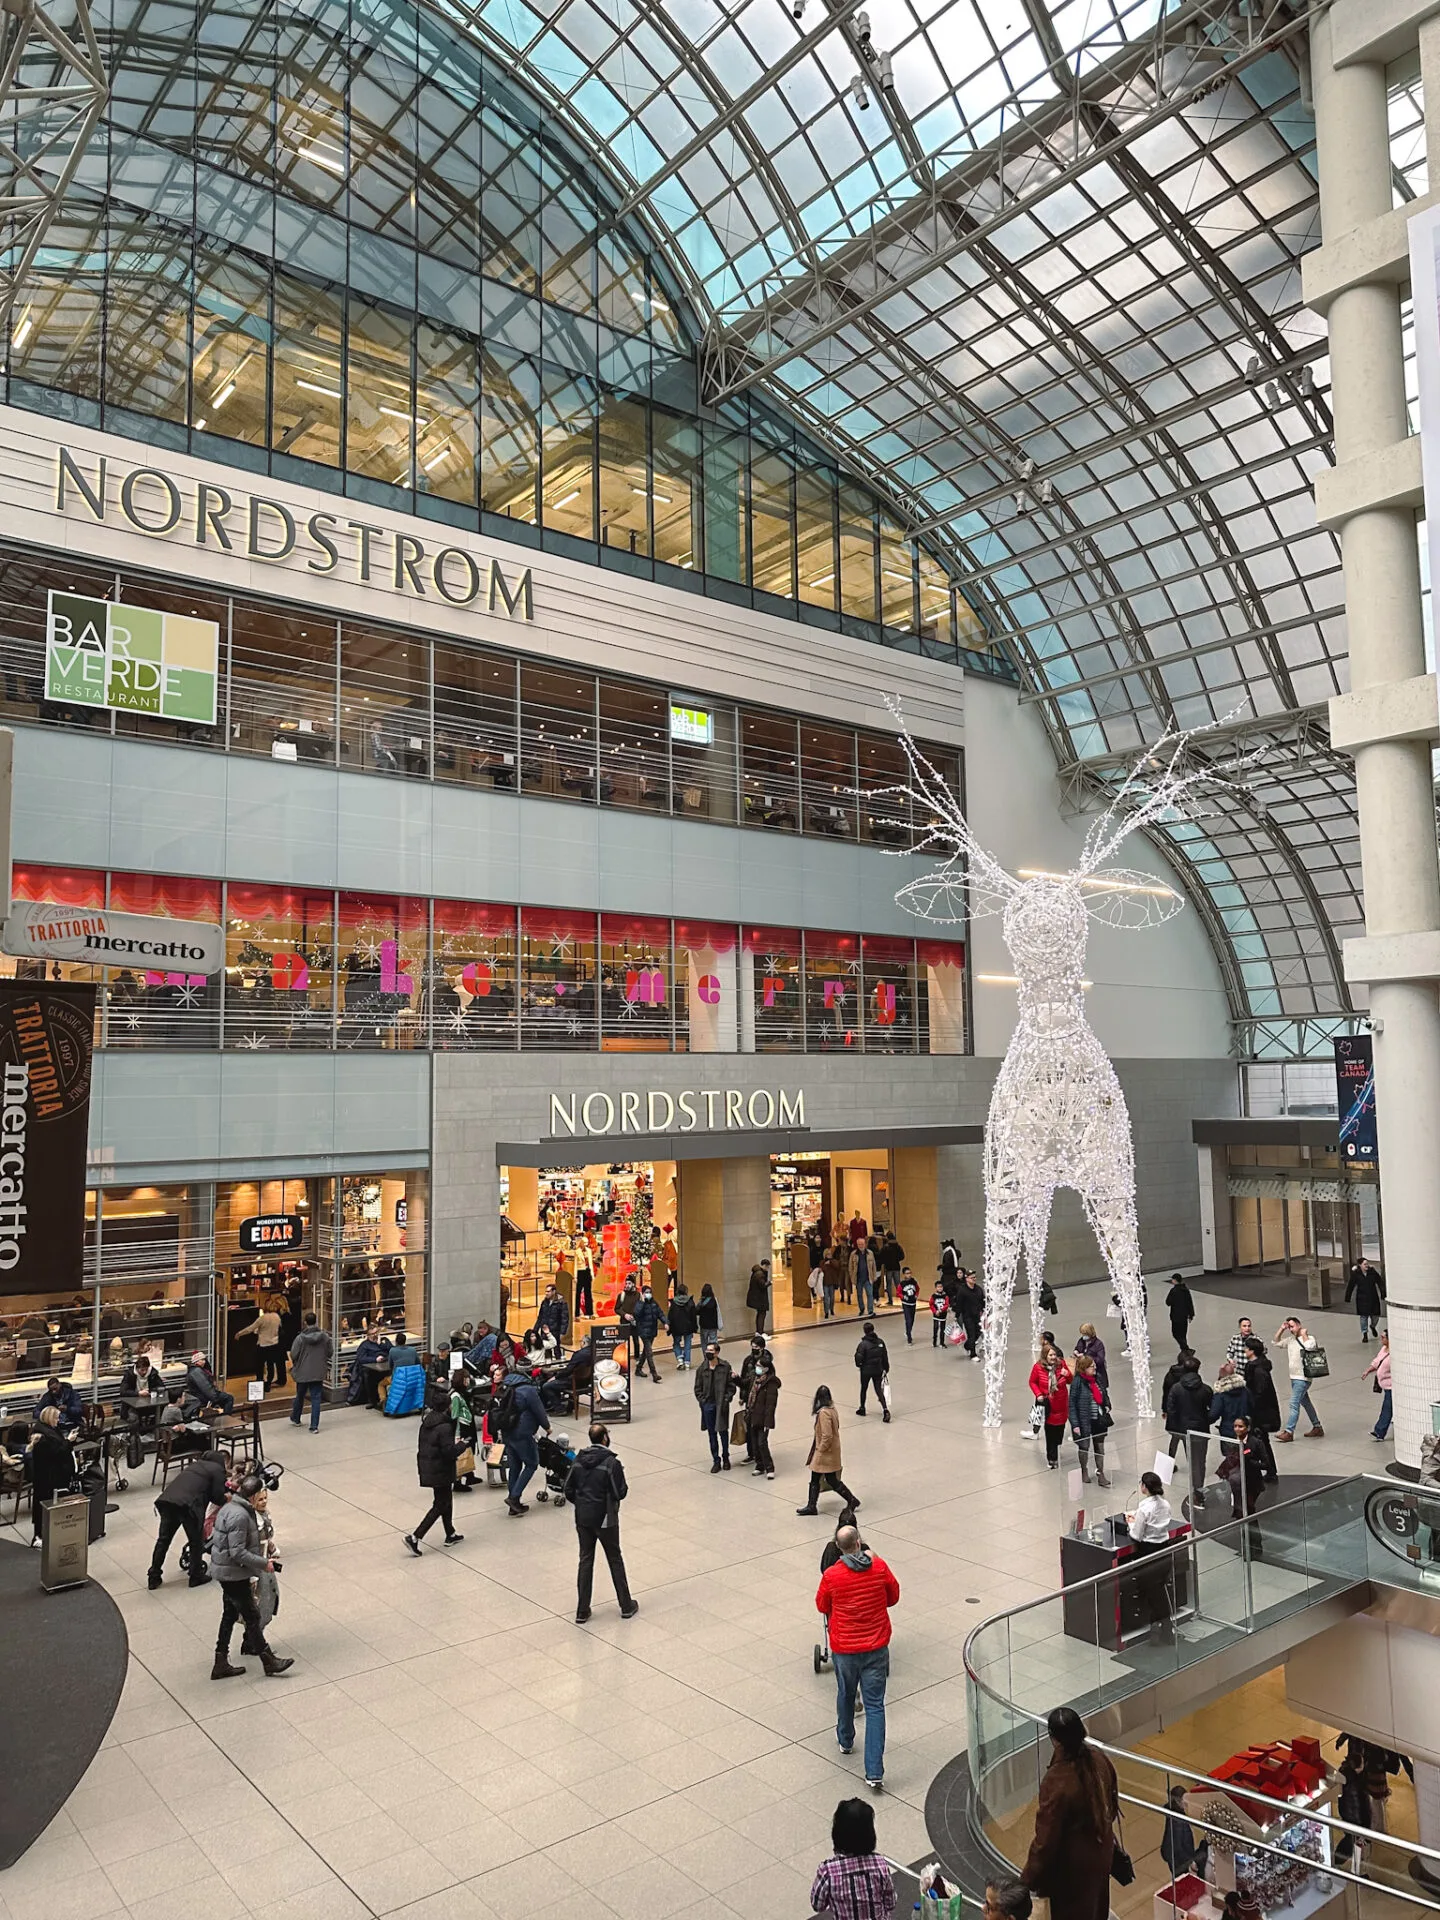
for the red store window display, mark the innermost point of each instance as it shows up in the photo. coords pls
(637, 979)
(832, 992)
(163, 1007)
(941, 972)
(888, 984)
(707, 1007)
(474, 982)
(772, 1011)
(382, 952)
(279, 961)
(558, 1008)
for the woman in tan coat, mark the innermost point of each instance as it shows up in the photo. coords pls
(824, 1460)
(1074, 1844)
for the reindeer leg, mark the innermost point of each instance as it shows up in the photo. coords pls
(1035, 1231)
(1112, 1219)
(1002, 1258)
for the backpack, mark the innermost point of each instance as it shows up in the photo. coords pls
(503, 1412)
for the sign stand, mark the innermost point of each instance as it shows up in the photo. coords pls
(610, 1349)
(256, 1395)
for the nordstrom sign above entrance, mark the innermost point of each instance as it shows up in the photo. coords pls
(723, 1109)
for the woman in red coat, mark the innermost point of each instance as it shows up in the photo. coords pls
(1074, 1844)
(1050, 1379)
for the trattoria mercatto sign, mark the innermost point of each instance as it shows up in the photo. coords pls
(707, 1110)
(220, 519)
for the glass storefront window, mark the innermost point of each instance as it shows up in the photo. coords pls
(827, 767)
(557, 732)
(624, 475)
(772, 524)
(936, 626)
(675, 497)
(57, 322)
(636, 984)
(815, 537)
(884, 814)
(897, 577)
(857, 554)
(941, 971)
(380, 973)
(158, 1007)
(474, 983)
(282, 684)
(704, 775)
(725, 461)
(832, 992)
(475, 718)
(707, 985)
(190, 603)
(567, 441)
(380, 408)
(772, 1012)
(510, 436)
(64, 887)
(634, 747)
(279, 959)
(558, 980)
(147, 341)
(769, 770)
(447, 396)
(230, 375)
(384, 702)
(888, 986)
(308, 394)
(25, 582)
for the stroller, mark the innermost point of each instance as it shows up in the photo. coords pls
(557, 1456)
(270, 1471)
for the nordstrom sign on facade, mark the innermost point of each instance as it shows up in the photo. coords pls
(723, 1109)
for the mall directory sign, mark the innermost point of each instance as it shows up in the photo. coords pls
(46, 1031)
(135, 659)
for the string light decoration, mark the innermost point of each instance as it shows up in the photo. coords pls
(1057, 1116)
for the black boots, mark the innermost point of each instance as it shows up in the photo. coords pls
(273, 1664)
(222, 1669)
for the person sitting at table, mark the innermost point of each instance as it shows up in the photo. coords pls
(478, 1358)
(407, 1379)
(60, 1395)
(141, 1381)
(52, 1466)
(200, 1388)
(364, 1386)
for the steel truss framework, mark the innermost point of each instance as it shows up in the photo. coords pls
(52, 93)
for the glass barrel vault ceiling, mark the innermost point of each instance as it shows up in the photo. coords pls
(1043, 288)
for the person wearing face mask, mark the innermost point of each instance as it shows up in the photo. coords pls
(760, 1411)
(649, 1318)
(747, 1381)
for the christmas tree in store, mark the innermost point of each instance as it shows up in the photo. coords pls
(642, 1228)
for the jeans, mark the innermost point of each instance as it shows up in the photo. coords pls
(1382, 1425)
(864, 1298)
(868, 1380)
(1300, 1398)
(609, 1539)
(827, 1295)
(315, 1388)
(1370, 1320)
(909, 1313)
(524, 1459)
(713, 1422)
(867, 1673)
(681, 1344)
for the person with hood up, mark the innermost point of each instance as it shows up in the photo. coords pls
(684, 1323)
(1264, 1414)
(595, 1486)
(872, 1357)
(437, 1447)
(824, 1456)
(1187, 1411)
(1090, 1417)
(1230, 1401)
(649, 1319)
(714, 1390)
(309, 1364)
(760, 1410)
(757, 1294)
(407, 1379)
(184, 1502)
(236, 1557)
(1050, 1379)
(1181, 1304)
(856, 1595)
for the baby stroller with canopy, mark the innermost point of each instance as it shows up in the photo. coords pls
(557, 1456)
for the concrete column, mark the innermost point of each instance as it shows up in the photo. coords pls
(1393, 779)
(1217, 1227)
(725, 1229)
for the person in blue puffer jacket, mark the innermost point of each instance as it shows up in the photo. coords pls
(648, 1321)
(407, 1379)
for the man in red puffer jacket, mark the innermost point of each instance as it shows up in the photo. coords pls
(856, 1595)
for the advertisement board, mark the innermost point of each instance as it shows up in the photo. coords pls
(38, 929)
(272, 1233)
(609, 1374)
(46, 1034)
(1355, 1098)
(136, 659)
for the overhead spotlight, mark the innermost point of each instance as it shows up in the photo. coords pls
(1252, 367)
(1045, 492)
(1307, 380)
(1021, 465)
(797, 9)
(1272, 393)
(858, 93)
(885, 71)
(862, 28)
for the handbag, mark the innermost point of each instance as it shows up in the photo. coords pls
(1375, 1383)
(738, 1428)
(1122, 1867)
(1314, 1363)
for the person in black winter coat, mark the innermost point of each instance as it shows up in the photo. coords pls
(1264, 1413)
(648, 1321)
(438, 1448)
(1181, 1304)
(714, 1390)
(757, 1353)
(757, 1294)
(1187, 1410)
(553, 1315)
(595, 1486)
(684, 1324)
(52, 1466)
(183, 1503)
(1367, 1284)
(873, 1359)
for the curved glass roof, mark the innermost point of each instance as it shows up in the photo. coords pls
(1033, 267)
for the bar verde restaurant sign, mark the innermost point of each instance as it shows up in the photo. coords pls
(137, 659)
(223, 520)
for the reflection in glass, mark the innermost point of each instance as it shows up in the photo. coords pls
(447, 393)
(147, 330)
(857, 553)
(815, 535)
(510, 436)
(380, 410)
(772, 523)
(282, 684)
(306, 409)
(832, 992)
(279, 961)
(55, 321)
(166, 1006)
(557, 732)
(625, 475)
(567, 437)
(474, 983)
(380, 973)
(827, 766)
(897, 577)
(636, 984)
(557, 980)
(769, 771)
(677, 479)
(634, 747)
(884, 815)
(384, 701)
(772, 1013)
(475, 718)
(231, 367)
(725, 459)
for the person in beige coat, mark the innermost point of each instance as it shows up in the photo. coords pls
(824, 1461)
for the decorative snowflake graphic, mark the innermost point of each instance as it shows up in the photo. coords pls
(629, 1009)
(132, 1022)
(188, 997)
(773, 962)
(253, 1042)
(368, 951)
(560, 947)
(853, 966)
(456, 1022)
(572, 1027)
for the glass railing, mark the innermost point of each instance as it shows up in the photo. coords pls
(1111, 1636)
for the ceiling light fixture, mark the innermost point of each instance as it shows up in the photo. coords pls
(310, 386)
(574, 494)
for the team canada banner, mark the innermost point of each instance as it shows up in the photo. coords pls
(46, 1032)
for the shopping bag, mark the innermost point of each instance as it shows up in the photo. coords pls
(465, 1463)
(955, 1333)
(887, 1394)
(1036, 1425)
(738, 1429)
(1112, 1312)
(135, 1446)
(1313, 1360)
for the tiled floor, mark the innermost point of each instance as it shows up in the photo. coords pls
(450, 1746)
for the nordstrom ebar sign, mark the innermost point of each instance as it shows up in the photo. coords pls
(154, 502)
(595, 1114)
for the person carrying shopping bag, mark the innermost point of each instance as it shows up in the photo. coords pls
(1050, 1379)
(824, 1457)
(1299, 1344)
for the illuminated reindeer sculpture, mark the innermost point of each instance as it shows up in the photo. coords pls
(1057, 1115)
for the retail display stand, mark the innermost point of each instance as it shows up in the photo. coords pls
(1297, 1887)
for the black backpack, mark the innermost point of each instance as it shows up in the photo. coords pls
(503, 1412)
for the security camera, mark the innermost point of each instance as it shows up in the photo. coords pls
(1373, 1026)
(857, 90)
(862, 28)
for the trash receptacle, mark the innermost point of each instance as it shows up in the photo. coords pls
(65, 1542)
(93, 1486)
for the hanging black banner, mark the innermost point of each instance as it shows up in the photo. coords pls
(46, 1034)
(1355, 1094)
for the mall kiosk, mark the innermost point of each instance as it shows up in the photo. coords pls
(1113, 1614)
